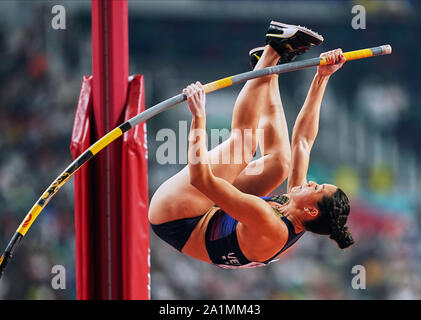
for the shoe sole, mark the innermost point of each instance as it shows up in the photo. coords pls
(254, 50)
(305, 30)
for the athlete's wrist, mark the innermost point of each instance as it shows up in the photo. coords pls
(322, 76)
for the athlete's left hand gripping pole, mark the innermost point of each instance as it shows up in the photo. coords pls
(149, 113)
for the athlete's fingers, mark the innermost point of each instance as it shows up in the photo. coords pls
(328, 56)
(335, 56)
(193, 88)
(324, 55)
(201, 92)
(338, 53)
(195, 93)
(331, 58)
(200, 86)
(196, 88)
(342, 59)
(188, 92)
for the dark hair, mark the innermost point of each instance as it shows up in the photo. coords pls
(333, 214)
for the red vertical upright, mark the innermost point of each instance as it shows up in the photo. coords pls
(110, 66)
(108, 265)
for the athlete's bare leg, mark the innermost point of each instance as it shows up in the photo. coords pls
(177, 198)
(263, 175)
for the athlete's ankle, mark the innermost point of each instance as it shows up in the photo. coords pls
(269, 58)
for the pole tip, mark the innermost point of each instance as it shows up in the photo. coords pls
(387, 49)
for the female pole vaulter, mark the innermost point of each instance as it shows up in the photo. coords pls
(220, 214)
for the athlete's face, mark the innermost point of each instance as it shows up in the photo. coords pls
(309, 194)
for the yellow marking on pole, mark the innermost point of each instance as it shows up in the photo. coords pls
(29, 219)
(358, 54)
(105, 140)
(218, 84)
(352, 55)
(53, 188)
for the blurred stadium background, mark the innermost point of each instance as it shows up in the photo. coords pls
(368, 142)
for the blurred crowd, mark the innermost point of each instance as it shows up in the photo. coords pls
(367, 145)
(38, 94)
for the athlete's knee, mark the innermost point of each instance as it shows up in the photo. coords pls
(244, 144)
(282, 163)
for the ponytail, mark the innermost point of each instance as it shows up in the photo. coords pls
(342, 237)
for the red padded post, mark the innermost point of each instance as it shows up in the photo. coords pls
(111, 202)
(134, 200)
(81, 140)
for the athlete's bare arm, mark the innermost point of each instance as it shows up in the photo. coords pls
(246, 208)
(307, 123)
